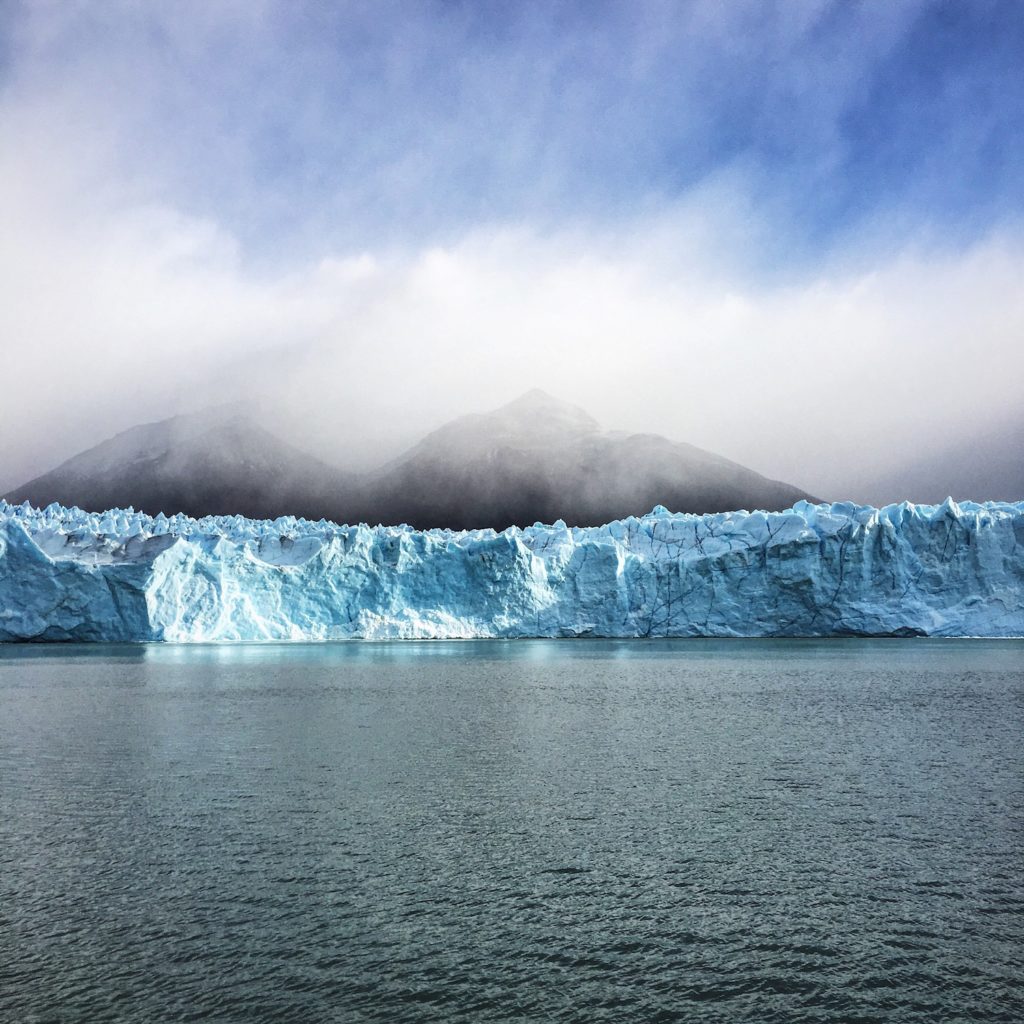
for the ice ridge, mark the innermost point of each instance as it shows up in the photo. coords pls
(841, 569)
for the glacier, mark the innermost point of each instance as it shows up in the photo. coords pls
(955, 569)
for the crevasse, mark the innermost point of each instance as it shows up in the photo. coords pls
(814, 570)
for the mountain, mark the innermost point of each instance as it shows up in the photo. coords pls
(535, 459)
(540, 459)
(217, 462)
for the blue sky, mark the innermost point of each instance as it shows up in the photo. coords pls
(304, 124)
(259, 157)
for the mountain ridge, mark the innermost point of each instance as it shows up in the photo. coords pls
(535, 459)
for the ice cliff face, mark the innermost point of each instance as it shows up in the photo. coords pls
(816, 570)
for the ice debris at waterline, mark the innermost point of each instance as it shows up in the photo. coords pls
(815, 570)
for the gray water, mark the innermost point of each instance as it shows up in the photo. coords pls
(526, 831)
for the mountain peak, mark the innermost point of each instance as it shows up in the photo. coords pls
(536, 396)
(537, 411)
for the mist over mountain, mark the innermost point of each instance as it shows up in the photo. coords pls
(219, 462)
(985, 465)
(535, 459)
(538, 459)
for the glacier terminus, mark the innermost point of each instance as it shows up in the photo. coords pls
(815, 570)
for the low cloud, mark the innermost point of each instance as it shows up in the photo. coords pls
(694, 223)
(823, 380)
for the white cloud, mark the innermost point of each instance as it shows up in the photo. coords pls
(120, 303)
(124, 315)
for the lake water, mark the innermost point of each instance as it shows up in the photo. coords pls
(525, 831)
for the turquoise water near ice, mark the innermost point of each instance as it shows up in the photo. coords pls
(828, 831)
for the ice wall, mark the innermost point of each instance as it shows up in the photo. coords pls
(815, 570)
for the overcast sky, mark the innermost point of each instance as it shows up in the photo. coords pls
(791, 233)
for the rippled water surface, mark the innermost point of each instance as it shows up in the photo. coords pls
(570, 831)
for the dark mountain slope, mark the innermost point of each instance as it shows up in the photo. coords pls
(536, 459)
(212, 463)
(539, 459)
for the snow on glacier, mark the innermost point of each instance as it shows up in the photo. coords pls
(814, 570)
